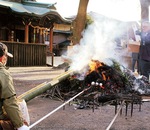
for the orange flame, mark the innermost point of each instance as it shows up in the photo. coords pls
(93, 65)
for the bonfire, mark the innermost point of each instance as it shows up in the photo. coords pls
(103, 84)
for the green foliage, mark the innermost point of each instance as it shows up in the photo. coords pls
(117, 66)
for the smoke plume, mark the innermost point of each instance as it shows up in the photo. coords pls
(98, 42)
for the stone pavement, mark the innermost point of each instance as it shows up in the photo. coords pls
(37, 72)
(34, 73)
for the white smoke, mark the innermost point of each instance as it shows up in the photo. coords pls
(97, 42)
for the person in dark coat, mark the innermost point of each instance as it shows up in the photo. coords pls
(144, 52)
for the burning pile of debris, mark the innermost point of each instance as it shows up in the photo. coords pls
(101, 84)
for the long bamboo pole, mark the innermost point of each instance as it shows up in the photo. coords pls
(32, 93)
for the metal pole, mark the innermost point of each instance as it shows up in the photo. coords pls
(115, 117)
(57, 109)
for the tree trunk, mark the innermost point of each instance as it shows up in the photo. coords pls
(145, 9)
(79, 22)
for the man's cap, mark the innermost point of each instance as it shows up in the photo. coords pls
(4, 50)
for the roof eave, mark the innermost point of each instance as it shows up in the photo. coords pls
(39, 4)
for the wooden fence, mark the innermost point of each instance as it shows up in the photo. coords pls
(26, 54)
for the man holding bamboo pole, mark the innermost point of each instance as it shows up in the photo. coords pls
(11, 117)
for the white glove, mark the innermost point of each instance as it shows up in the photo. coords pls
(24, 127)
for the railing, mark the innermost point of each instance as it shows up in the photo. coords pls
(26, 54)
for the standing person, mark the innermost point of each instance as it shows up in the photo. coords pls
(135, 60)
(135, 55)
(144, 53)
(10, 115)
